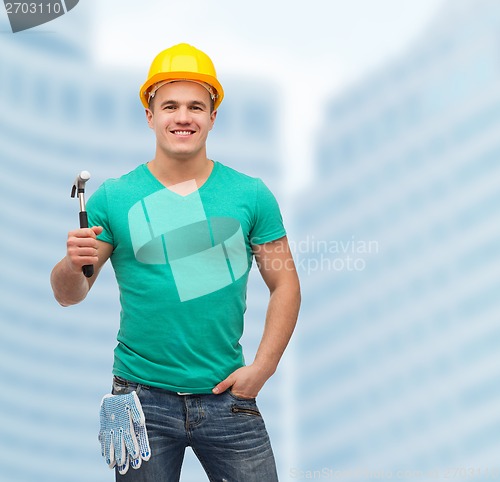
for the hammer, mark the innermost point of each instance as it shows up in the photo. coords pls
(79, 187)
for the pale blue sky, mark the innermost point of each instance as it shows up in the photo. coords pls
(345, 38)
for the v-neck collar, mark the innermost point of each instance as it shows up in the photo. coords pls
(209, 179)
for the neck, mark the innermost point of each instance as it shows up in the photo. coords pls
(170, 171)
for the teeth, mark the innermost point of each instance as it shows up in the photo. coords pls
(182, 133)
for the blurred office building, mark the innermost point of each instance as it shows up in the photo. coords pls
(398, 246)
(60, 113)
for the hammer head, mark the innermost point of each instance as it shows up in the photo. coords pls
(79, 184)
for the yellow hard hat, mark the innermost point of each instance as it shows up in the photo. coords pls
(182, 62)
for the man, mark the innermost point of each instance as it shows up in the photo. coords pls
(181, 232)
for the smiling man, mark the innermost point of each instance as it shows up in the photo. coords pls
(181, 232)
(182, 120)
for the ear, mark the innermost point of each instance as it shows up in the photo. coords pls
(213, 115)
(149, 117)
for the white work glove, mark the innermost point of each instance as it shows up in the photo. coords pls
(123, 435)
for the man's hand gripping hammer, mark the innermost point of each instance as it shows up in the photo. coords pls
(79, 188)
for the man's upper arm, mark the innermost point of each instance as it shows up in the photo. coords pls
(275, 263)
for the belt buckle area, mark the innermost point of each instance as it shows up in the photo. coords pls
(183, 393)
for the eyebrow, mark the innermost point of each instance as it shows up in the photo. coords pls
(200, 103)
(190, 103)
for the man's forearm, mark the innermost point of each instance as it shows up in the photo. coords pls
(278, 271)
(69, 287)
(69, 284)
(281, 319)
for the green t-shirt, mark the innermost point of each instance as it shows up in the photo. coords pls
(182, 265)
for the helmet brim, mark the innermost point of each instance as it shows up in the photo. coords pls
(162, 76)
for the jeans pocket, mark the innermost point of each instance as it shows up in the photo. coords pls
(236, 397)
(239, 409)
(243, 406)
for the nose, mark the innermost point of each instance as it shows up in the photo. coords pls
(183, 115)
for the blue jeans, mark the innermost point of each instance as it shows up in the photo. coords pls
(226, 433)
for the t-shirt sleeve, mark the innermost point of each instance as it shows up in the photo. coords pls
(97, 212)
(268, 225)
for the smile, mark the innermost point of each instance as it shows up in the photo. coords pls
(183, 133)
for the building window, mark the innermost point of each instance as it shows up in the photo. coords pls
(104, 107)
(70, 102)
(258, 120)
(41, 96)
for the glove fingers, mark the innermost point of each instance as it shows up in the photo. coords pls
(102, 440)
(104, 435)
(107, 449)
(124, 467)
(118, 451)
(111, 458)
(130, 441)
(139, 421)
(136, 463)
(142, 438)
(136, 410)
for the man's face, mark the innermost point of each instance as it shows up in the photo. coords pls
(181, 119)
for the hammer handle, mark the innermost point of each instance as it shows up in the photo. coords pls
(88, 269)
